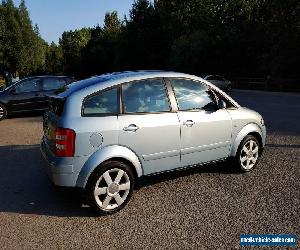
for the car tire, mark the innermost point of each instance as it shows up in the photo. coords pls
(248, 154)
(3, 112)
(110, 187)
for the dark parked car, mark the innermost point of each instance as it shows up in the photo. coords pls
(30, 94)
(220, 82)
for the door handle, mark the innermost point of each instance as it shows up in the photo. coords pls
(189, 123)
(131, 127)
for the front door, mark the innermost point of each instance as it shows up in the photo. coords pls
(148, 127)
(26, 96)
(205, 129)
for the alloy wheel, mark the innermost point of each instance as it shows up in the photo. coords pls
(249, 154)
(1, 112)
(112, 188)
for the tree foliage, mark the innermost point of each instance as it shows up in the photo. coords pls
(22, 50)
(230, 37)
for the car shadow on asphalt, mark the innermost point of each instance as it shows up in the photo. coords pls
(26, 189)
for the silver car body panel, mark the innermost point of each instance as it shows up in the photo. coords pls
(156, 154)
(204, 141)
(162, 141)
(245, 121)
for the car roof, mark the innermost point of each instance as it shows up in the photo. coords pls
(77, 91)
(111, 79)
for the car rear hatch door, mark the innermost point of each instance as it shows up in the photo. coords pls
(51, 120)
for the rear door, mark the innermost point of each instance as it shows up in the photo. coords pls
(50, 120)
(148, 126)
(205, 129)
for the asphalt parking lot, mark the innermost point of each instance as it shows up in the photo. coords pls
(201, 208)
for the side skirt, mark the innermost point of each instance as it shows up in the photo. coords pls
(187, 167)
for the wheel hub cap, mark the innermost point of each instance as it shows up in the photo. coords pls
(250, 154)
(112, 189)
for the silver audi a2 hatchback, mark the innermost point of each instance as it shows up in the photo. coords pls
(103, 133)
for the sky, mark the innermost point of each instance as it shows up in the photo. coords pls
(56, 16)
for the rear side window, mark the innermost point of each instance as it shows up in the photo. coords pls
(103, 103)
(145, 96)
(192, 95)
(53, 83)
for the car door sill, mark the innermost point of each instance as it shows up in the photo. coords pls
(28, 110)
(188, 166)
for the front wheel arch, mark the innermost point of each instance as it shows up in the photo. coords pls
(249, 129)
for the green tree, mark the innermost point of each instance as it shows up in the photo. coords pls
(101, 52)
(22, 48)
(11, 37)
(54, 59)
(72, 44)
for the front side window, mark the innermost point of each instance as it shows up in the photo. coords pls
(145, 96)
(26, 86)
(53, 83)
(103, 103)
(192, 95)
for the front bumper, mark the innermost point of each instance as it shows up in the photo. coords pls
(60, 170)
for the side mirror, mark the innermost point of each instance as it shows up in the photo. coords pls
(221, 104)
(13, 91)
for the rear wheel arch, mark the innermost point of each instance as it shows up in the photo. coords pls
(116, 159)
(110, 186)
(109, 153)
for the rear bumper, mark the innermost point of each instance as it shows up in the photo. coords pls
(61, 171)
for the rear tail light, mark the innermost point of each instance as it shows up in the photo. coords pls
(64, 142)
